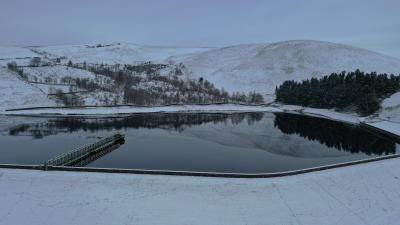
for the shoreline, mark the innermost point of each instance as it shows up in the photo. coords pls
(125, 110)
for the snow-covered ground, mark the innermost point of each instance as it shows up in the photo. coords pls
(324, 113)
(122, 53)
(14, 92)
(392, 101)
(391, 108)
(15, 52)
(361, 194)
(391, 114)
(57, 72)
(333, 115)
(18, 54)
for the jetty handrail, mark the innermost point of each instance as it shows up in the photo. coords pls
(81, 151)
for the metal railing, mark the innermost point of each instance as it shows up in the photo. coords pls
(81, 152)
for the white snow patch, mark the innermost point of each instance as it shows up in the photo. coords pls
(392, 101)
(390, 113)
(390, 108)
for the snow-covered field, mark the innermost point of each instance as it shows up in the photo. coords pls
(361, 194)
(122, 53)
(50, 89)
(57, 72)
(15, 52)
(14, 92)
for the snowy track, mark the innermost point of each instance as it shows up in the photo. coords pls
(362, 194)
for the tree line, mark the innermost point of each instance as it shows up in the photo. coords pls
(364, 91)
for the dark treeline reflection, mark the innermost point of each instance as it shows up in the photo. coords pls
(171, 121)
(341, 136)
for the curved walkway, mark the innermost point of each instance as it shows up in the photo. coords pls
(360, 194)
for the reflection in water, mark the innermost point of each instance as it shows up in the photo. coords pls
(170, 121)
(240, 142)
(341, 136)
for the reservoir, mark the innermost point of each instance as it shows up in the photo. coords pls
(203, 142)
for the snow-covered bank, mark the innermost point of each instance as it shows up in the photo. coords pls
(323, 113)
(217, 108)
(361, 194)
(388, 126)
(133, 109)
(101, 111)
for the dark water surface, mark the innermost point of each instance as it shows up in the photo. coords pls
(243, 142)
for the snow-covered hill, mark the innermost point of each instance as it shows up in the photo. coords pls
(261, 67)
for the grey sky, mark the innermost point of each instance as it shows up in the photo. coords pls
(371, 24)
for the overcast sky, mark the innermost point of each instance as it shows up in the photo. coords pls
(371, 24)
